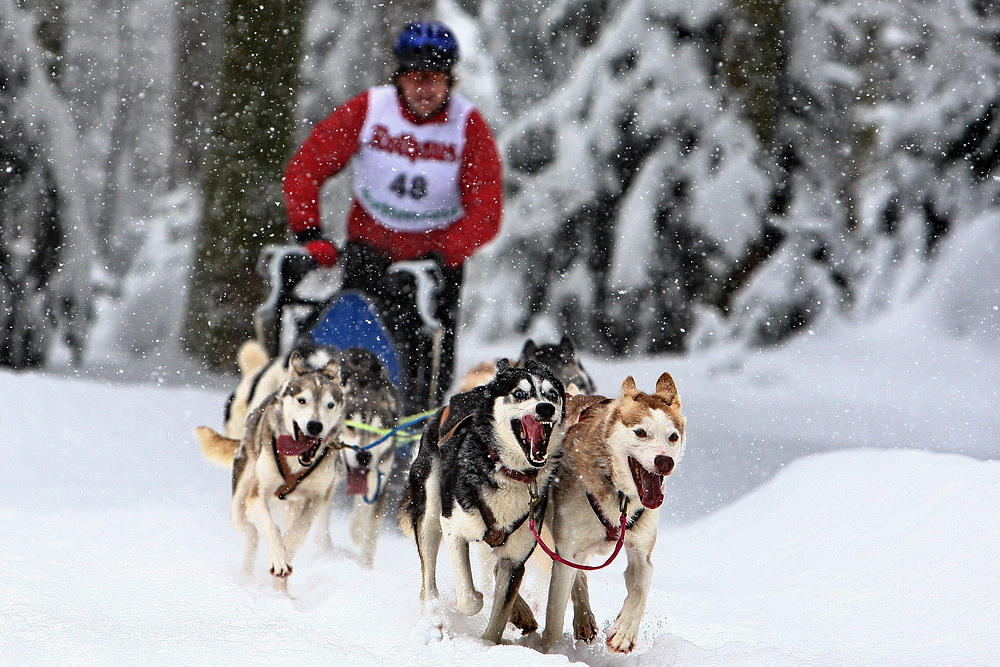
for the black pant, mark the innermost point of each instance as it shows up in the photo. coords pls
(366, 270)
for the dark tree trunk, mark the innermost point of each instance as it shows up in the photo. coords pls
(251, 142)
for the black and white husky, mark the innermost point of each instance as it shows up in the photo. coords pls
(485, 464)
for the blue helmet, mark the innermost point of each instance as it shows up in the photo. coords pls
(426, 45)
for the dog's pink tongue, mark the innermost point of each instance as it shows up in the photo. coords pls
(649, 484)
(357, 481)
(291, 446)
(535, 433)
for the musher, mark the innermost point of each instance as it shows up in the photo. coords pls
(427, 184)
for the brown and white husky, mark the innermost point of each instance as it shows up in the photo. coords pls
(616, 457)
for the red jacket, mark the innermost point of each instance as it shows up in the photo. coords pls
(334, 141)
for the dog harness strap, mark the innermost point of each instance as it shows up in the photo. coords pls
(611, 529)
(292, 481)
(495, 536)
(517, 524)
(444, 437)
(519, 475)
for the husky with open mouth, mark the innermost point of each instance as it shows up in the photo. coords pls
(260, 376)
(288, 460)
(485, 464)
(616, 457)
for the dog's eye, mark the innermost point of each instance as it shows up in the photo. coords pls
(640, 433)
(302, 401)
(520, 395)
(329, 406)
(674, 437)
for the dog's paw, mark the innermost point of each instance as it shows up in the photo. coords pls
(522, 617)
(621, 638)
(585, 626)
(281, 570)
(470, 604)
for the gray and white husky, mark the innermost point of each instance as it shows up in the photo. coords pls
(485, 464)
(564, 362)
(371, 405)
(287, 460)
(260, 376)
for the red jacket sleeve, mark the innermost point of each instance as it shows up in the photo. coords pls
(481, 184)
(325, 152)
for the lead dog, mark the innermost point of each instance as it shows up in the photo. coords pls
(616, 456)
(287, 459)
(485, 464)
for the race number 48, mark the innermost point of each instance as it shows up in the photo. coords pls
(413, 187)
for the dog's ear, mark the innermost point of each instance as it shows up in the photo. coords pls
(297, 364)
(566, 345)
(462, 406)
(629, 390)
(503, 364)
(667, 390)
(332, 370)
(529, 349)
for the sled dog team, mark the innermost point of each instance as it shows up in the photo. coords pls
(517, 448)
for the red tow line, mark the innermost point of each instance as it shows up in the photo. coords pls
(559, 559)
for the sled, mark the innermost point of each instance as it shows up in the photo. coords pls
(348, 318)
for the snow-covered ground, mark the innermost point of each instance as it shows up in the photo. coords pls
(839, 505)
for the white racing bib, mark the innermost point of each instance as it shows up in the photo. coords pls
(406, 175)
